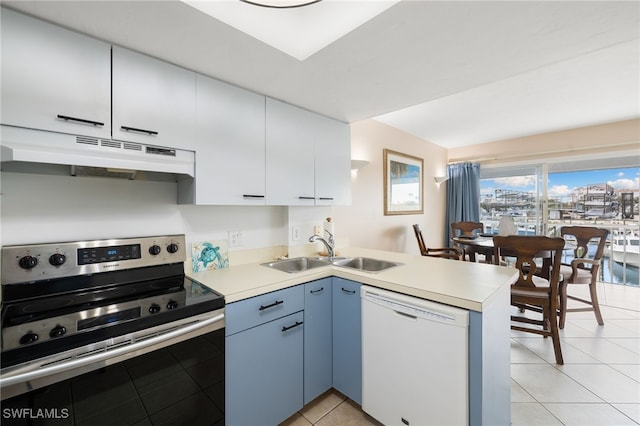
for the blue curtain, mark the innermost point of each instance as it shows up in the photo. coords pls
(463, 195)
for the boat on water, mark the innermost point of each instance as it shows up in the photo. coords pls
(625, 248)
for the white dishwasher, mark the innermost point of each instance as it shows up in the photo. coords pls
(414, 360)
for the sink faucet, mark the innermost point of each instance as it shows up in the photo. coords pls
(328, 244)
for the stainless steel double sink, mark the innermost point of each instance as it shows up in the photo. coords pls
(300, 264)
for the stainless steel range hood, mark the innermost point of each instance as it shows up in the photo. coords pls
(29, 150)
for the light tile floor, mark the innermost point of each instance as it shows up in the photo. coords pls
(599, 384)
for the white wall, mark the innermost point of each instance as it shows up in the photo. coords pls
(39, 208)
(364, 221)
(46, 208)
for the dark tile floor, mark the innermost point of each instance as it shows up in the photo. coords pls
(181, 384)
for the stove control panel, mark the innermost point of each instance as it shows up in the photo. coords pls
(29, 263)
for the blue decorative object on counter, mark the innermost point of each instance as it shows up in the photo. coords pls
(208, 255)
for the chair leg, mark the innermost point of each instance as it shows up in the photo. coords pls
(555, 335)
(563, 302)
(594, 302)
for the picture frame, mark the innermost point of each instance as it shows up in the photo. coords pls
(403, 183)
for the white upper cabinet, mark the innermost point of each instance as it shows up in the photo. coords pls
(154, 102)
(54, 79)
(290, 155)
(308, 157)
(332, 162)
(230, 148)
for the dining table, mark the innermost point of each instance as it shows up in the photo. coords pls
(483, 244)
(476, 244)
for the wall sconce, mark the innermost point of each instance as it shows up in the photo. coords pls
(440, 179)
(358, 164)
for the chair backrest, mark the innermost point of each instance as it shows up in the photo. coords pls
(417, 229)
(526, 249)
(466, 228)
(583, 235)
(442, 252)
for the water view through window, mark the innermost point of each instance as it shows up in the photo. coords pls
(605, 198)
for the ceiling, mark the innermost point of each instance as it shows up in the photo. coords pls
(454, 73)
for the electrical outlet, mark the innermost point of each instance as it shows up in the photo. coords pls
(295, 233)
(317, 230)
(235, 238)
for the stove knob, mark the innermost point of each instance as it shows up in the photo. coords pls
(58, 331)
(28, 262)
(154, 250)
(28, 338)
(172, 248)
(57, 259)
(154, 309)
(172, 304)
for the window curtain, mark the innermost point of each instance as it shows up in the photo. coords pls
(463, 195)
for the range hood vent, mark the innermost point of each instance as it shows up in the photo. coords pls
(103, 172)
(89, 156)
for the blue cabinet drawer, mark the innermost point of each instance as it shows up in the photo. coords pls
(264, 308)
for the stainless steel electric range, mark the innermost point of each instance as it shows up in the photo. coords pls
(75, 307)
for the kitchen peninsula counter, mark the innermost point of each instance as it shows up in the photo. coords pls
(481, 289)
(466, 285)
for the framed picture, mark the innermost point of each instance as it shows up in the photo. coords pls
(403, 180)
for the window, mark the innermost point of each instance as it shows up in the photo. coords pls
(603, 197)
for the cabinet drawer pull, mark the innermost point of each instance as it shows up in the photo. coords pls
(326, 198)
(292, 326)
(80, 120)
(276, 303)
(348, 291)
(320, 290)
(252, 196)
(306, 198)
(133, 129)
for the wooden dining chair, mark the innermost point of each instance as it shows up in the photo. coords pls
(583, 269)
(443, 252)
(531, 292)
(464, 229)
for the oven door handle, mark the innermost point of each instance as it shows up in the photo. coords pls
(36, 372)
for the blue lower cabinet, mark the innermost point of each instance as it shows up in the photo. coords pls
(264, 372)
(317, 338)
(347, 338)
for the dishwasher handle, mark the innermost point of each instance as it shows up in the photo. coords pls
(410, 306)
(405, 315)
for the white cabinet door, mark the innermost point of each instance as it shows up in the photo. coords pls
(154, 102)
(230, 150)
(332, 162)
(290, 155)
(54, 79)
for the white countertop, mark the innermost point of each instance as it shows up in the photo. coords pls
(463, 284)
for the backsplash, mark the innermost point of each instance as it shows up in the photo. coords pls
(43, 208)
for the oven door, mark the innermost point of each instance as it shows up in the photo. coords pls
(158, 374)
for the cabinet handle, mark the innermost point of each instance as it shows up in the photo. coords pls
(326, 198)
(252, 196)
(292, 326)
(80, 120)
(320, 290)
(348, 291)
(306, 198)
(276, 303)
(133, 129)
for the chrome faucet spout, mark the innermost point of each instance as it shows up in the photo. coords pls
(327, 244)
